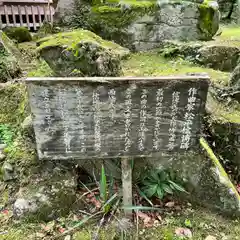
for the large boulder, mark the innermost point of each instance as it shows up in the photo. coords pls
(9, 66)
(142, 25)
(219, 57)
(81, 53)
(234, 84)
(235, 77)
(223, 122)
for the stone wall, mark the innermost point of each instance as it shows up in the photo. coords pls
(171, 21)
(230, 10)
(63, 9)
(144, 25)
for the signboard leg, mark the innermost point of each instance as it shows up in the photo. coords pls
(127, 185)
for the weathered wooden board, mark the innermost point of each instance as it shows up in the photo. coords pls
(85, 118)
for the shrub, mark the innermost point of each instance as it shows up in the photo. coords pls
(20, 34)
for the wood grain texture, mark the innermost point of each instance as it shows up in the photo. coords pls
(88, 118)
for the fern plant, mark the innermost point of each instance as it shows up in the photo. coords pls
(159, 183)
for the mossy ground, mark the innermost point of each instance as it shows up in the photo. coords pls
(153, 64)
(203, 224)
(230, 33)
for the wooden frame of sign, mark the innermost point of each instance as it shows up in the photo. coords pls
(123, 117)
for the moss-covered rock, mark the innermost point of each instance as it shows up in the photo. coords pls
(235, 78)
(222, 124)
(81, 53)
(204, 178)
(9, 66)
(20, 34)
(219, 56)
(208, 20)
(52, 197)
(142, 25)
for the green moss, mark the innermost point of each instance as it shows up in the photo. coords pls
(41, 70)
(9, 56)
(222, 113)
(222, 173)
(106, 9)
(230, 35)
(28, 51)
(113, 17)
(153, 64)
(206, 18)
(70, 39)
(13, 102)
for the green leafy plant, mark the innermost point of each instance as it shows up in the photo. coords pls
(159, 183)
(6, 134)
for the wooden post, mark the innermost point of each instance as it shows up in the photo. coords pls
(27, 16)
(20, 15)
(127, 185)
(13, 16)
(6, 14)
(33, 17)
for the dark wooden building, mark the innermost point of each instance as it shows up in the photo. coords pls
(26, 13)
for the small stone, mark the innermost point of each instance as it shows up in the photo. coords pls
(2, 156)
(68, 237)
(209, 237)
(183, 232)
(2, 146)
(22, 206)
(7, 172)
(7, 166)
(27, 126)
(170, 204)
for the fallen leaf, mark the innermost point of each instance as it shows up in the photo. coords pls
(170, 204)
(5, 212)
(209, 237)
(61, 230)
(90, 195)
(49, 227)
(178, 208)
(183, 232)
(147, 221)
(95, 202)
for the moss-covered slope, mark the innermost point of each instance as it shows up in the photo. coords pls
(9, 54)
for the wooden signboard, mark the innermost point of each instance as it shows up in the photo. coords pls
(90, 118)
